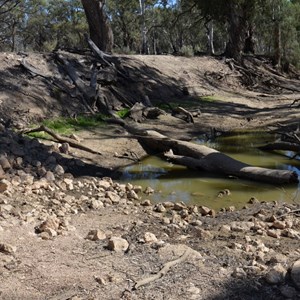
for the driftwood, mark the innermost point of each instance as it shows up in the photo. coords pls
(61, 139)
(200, 157)
(163, 271)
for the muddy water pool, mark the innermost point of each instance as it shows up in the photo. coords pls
(176, 183)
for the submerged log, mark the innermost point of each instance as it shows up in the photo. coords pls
(201, 157)
(285, 146)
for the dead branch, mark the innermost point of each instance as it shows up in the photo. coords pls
(189, 117)
(290, 213)
(100, 54)
(163, 271)
(60, 138)
(87, 91)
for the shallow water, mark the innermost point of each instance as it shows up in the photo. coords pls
(176, 183)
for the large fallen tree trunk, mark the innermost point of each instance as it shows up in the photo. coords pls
(204, 158)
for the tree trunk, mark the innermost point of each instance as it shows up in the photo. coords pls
(236, 31)
(249, 46)
(99, 26)
(210, 37)
(144, 48)
(277, 43)
(203, 158)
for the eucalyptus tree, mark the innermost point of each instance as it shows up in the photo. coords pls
(279, 31)
(124, 16)
(99, 24)
(7, 23)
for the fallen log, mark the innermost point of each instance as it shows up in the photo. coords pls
(61, 139)
(201, 157)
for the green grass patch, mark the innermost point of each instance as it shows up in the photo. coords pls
(123, 113)
(67, 126)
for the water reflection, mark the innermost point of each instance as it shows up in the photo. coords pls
(176, 183)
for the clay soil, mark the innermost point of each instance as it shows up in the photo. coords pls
(223, 263)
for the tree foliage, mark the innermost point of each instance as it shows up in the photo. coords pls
(188, 27)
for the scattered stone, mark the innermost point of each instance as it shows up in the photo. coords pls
(276, 274)
(113, 196)
(196, 223)
(273, 233)
(291, 233)
(278, 258)
(230, 208)
(51, 232)
(279, 224)
(150, 238)
(148, 190)
(59, 170)
(132, 195)
(223, 193)
(295, 273)
(288, 292)
(45, 236)
(96, 235)
(50, 223)
(3, 187)
(2, 173)
(239, 273)
(65, 148)
(104, 184)
(146, 203)
(204, 210)
(179, 206)
(168, 204)
(203, 234)
(193, 292)
(7, 249)
(101, 280)
(117, 244)
(253, 200)
(75, 137)
(49, 176)
(241, 226)
(96, 204)
(166, 220)
(5, 164)
(225, 228)
(138, 188)
(159, 208)
(212, 213)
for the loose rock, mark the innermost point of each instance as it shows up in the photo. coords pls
(295, 273)
(117, 244)
(276, 275)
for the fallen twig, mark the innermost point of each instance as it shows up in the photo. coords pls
(61, 139)
(290, 212)
(163, 271)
